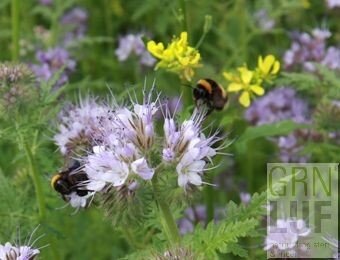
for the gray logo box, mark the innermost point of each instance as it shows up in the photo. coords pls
(302, 216)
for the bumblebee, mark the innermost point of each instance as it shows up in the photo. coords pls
(212, 94)
(70, 180)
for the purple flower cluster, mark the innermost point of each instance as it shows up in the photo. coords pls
(307, 49)
(15, 84)
(78, 127)
(55, 59)
(118, 143)
(51, 62)
(75, 21)
(9, 251)
(133, 44)
(277, 105)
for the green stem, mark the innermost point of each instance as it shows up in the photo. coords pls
(36, 180)
(200, 41)
(169, 223)
(185, 17)
(209, 196)
(15, 29)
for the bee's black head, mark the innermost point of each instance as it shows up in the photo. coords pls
(60, 185)
(200, 93)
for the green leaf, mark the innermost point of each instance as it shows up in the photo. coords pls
(301, 81)
(222, 237)
(276, 129)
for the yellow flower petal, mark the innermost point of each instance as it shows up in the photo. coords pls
(258, 90)
(260, 62)
(228, 76)
(195, 59)
(155, 49)
(182, 41)
(246, 75)
(234, 87)
(276, 67)
(267, 64)
(244, 99)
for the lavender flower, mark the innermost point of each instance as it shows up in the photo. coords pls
(15, 84)
(52, 61)
(75, 21)
(263, 20)
(127, 138)
(10, 252)
(187, 146)
(283, 238)
(79, 127)
(307, 49)
(333, 3)
(118, 146)
(277, 105)
(133, 44)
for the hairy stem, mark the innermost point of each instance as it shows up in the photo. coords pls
(36, 180)
(15, 29)
(168, 222)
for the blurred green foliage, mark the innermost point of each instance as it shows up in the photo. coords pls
(234, 39)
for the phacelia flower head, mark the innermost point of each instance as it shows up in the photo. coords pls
(307, 49)
(187, 146)
(75, 21)
(51, 62)
(178, 56)
(133, 44)
(20, 252)
(126, 139)
(15, 84)
(11, 252)
(278, 105)
(124, 150)
(79, 127)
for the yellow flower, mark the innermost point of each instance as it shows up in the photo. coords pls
(243, 82)
(177, 57)
(267, 67)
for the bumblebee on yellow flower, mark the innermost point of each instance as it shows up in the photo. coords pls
(177, 57)
(249, 82)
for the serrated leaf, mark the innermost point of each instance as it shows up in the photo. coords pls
(300, 81)
(236, 249)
